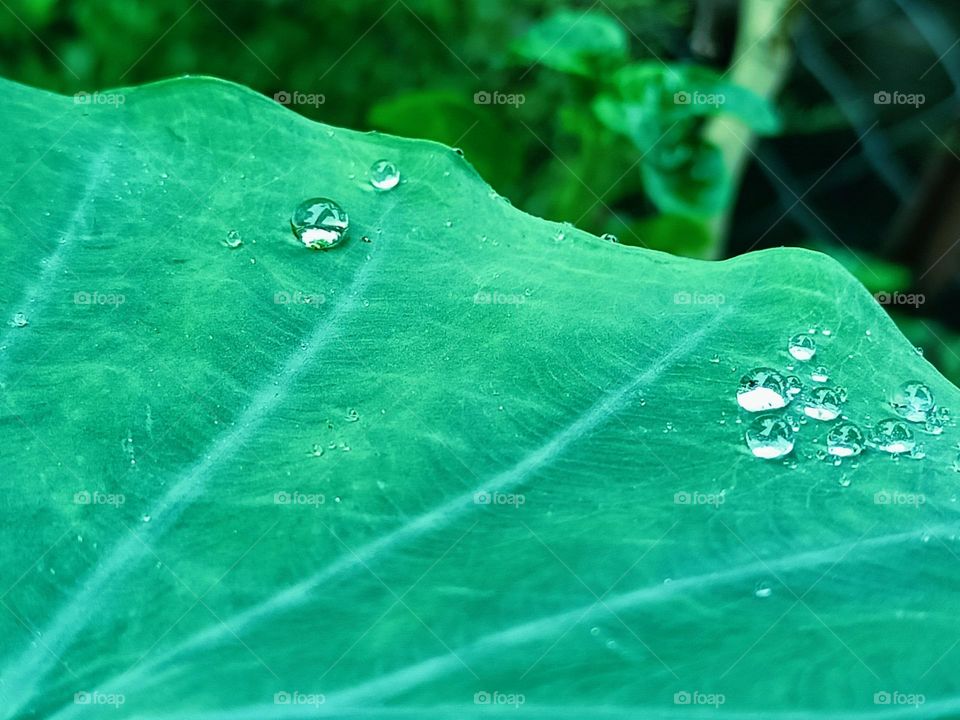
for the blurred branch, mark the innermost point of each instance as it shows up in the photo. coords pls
(850, 101)
(761, 61)
(711, 28)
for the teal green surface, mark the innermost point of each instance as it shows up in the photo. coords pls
(466, 352)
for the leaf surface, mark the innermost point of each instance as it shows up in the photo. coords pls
(510, 414)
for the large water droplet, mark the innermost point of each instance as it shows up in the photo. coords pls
(845, 439)
(769, 437)
(384, 175)
(913, 401)
(802, 346)
(893, 436)
(822, 404)
(319, 223)
(762, 389)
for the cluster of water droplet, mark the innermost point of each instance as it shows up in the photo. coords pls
(772, 434)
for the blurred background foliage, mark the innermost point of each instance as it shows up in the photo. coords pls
(705, 128)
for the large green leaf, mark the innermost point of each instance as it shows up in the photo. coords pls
(466, 349)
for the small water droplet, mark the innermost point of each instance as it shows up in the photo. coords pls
(146, 518)
(319, 223)
(769, 437)
(913, 401)
(384, 175)
(609, 237)
(820, 374)
(822, 404)
(793, 385)
(233, 240)
(715, 359)
(19, 320)
(892, 436)
(826, 332)
(317, 450)
(845, 439)
(802, 346)
(762, 389)
(763, 590)
(352, 416)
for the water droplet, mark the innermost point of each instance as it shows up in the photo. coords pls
(715, 359)
(827, 332)
(919, 350)
(19, 320)
(892, 436)
(913, 401)
(352, 416)
(822, 404)
(609, 237)
(762, 389)
(763, 590)
(559, 236)
(820, 374)
(233, 240)
(793, 385)
(319, 223)
(317, 450)
(845, 439)
(146, 518)
(769, 437)
(802, 346)
(384, 175)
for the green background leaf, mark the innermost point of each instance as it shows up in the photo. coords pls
(582, 43)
